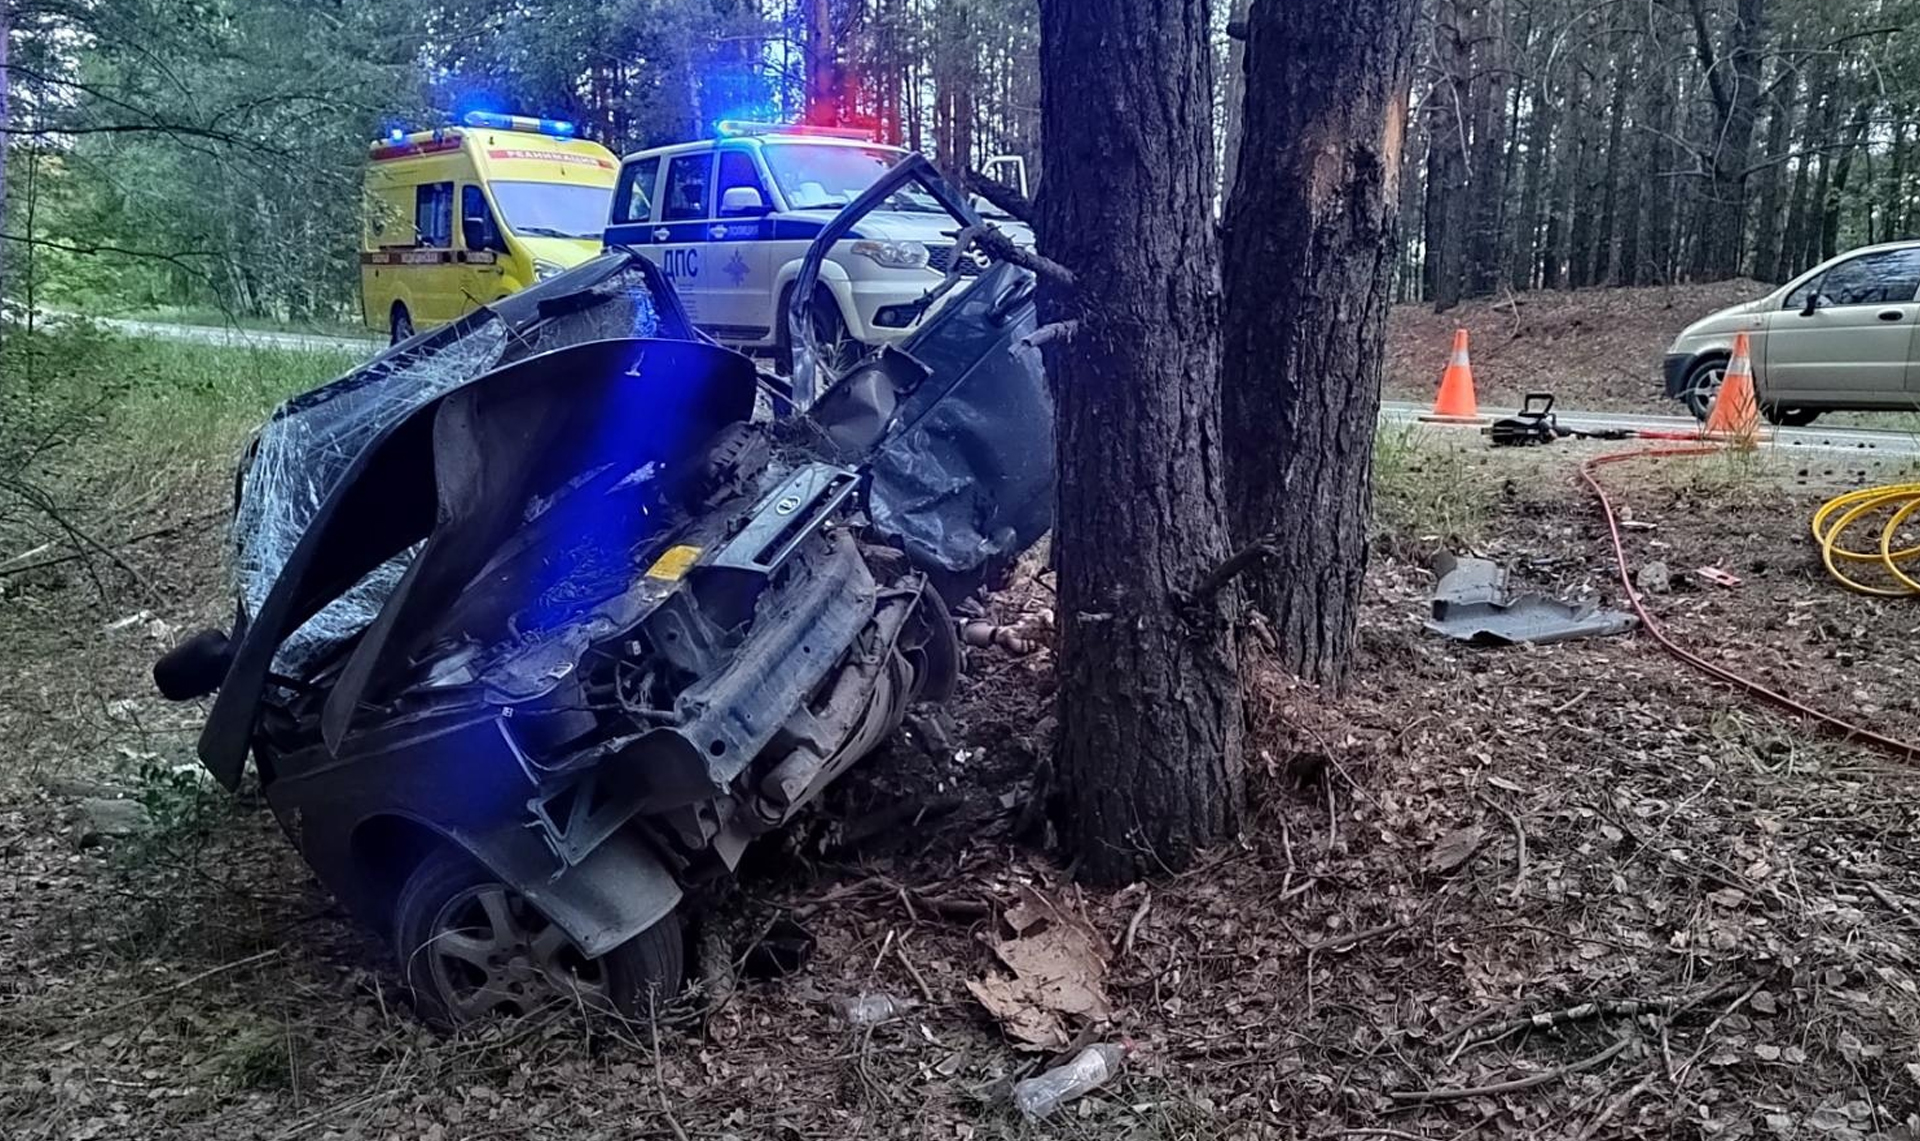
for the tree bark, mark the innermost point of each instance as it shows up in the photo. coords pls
(1658, 263)
(1487, 210)
(1766, 230)
(1842, 175)
(1308, 268)
(1526, 267)
(1816, 121)
(1233, 95)
(1606, 250)
(823, 79)
(1446, 205)
(1734, 83)
(1149, 700)
(6, 139)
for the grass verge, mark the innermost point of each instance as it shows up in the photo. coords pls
(140, 403)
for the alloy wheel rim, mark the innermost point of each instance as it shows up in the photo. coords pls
(491, 953)
(1709, 386)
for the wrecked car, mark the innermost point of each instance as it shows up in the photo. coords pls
(542, 618)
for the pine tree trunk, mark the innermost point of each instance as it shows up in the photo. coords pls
(1662, 194)
(1149, 702)
(1842, 175)
(1527, 233)
(6, 140)
(1318, 193)
(1489, 195)
(1734, 82)
(1574, 220)
(1606, 249)
(1893, 203)
(1233, 95)
(1446, 205)
(1793, 241)
(1766, 230)
(823, 82)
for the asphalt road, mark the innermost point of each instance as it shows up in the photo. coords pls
(231, 335)
(1813, 438)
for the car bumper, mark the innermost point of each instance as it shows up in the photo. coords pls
(879, 312)
(1674, 369)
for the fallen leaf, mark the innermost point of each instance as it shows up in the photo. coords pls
(1455, 848)
(1059, 969)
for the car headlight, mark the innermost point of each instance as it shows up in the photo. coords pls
(893, 255)
(543, 269)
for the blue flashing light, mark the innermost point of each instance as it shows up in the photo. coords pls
(397, 135)
(493, 120)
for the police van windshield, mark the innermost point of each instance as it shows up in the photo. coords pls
(553, 209)
(815, 176)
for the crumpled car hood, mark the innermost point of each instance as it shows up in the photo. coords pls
(453, 477)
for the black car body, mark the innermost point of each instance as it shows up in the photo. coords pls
(539, 624)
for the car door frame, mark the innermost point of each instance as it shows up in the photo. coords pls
(484, 268)
(678, 245)
(738, 252)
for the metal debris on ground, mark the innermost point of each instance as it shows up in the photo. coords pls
(1473, 603)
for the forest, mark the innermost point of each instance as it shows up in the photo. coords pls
(1553, 143)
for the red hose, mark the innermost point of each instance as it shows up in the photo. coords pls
(1847, 730)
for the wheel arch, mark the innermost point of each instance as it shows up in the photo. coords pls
(618, 890)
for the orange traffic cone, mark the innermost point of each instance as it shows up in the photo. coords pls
(1735, 415)
(1456, 404)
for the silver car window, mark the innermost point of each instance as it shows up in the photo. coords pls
(1886, 278)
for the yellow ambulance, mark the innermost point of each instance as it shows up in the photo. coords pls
(458, 217)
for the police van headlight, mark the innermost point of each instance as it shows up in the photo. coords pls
(893, 255)
(543, 269)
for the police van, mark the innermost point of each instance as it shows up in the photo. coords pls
(459, 217)
(730, 218)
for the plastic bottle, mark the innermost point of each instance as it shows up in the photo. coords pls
(873, 1009)
(1091, 1068)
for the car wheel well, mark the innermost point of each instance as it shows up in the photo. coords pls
(386, 850)
(1700, 403)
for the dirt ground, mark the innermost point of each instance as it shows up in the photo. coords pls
(1595, 349)
(1472, 837)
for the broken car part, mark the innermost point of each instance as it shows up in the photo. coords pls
(1473, 603)
(538, 627)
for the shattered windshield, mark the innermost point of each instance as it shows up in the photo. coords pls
(816, 176)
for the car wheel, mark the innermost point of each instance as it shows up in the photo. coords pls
(1790, 417)
(471, 947)
(1703, 384)
(835, 343)
(402, 325)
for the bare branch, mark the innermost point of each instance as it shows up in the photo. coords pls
(1001, 195)
(1003, 247)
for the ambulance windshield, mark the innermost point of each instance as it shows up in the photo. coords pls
(552, 209)
(817, 176)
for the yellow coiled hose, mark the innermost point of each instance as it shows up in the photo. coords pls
(1898, 501)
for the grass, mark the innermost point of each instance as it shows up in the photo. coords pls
(1427, 488)
(138, 401)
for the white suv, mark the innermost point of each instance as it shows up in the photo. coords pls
(729, 220)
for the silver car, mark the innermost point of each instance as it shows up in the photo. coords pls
(1844, 335)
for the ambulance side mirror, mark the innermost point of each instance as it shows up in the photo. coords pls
(742, 200)
(480, 234)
